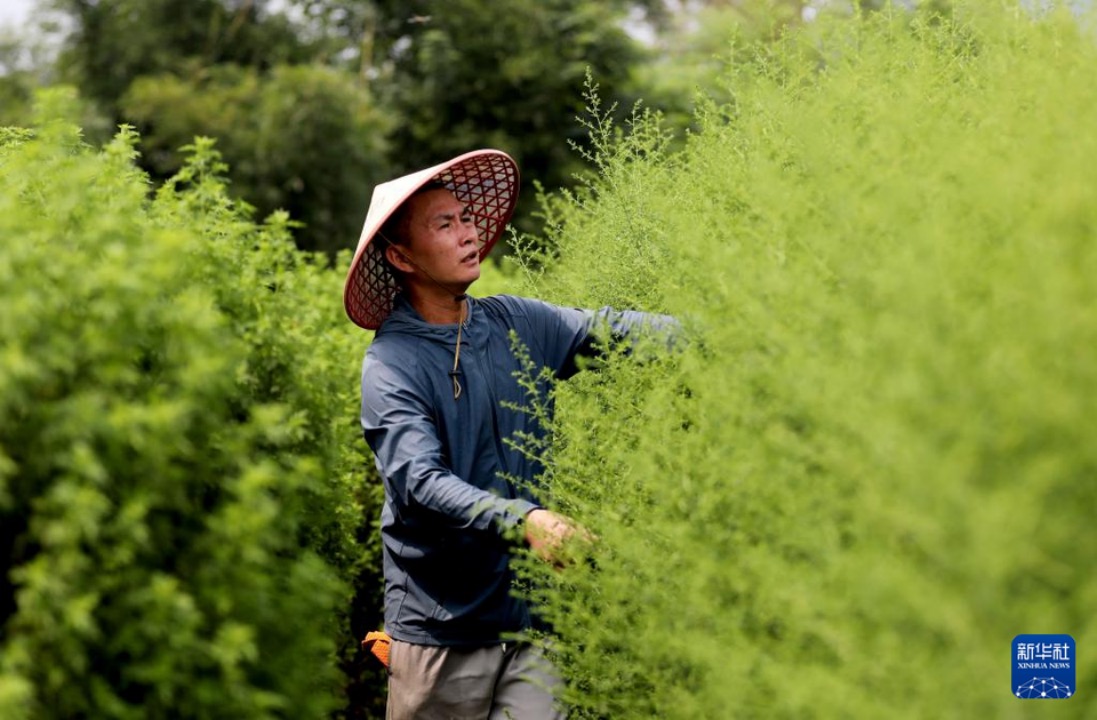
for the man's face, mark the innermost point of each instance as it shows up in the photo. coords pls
(442, 243)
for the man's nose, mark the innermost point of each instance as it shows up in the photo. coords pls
(471, 234)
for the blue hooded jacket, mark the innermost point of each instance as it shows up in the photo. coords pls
(445, 462)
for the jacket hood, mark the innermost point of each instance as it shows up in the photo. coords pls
(406, 319)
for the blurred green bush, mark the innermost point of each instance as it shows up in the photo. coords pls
(182, 502)
(873, 462)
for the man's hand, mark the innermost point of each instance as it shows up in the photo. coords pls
(547, 533)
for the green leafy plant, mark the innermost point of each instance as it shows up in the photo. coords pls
(870, 463)
(182, 503)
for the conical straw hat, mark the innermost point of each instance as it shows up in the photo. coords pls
(485, 181)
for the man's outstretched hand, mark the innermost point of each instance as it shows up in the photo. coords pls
(548, 533)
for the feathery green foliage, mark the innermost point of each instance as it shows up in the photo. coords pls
(872, 462)
(180, 468)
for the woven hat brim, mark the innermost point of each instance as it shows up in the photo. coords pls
(485, 181)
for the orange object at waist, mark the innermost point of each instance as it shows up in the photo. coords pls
(378, 643)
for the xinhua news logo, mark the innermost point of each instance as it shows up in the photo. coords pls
(1044, 667)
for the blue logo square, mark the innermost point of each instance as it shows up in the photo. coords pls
(1044, 667)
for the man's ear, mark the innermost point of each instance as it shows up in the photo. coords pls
(398, 259)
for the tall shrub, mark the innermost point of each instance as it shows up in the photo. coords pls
(871, 462)
(180, 471)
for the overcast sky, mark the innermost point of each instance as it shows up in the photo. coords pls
(15, 12)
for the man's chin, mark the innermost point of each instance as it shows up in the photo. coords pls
(463, 282)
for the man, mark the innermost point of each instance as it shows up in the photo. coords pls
(439, 399)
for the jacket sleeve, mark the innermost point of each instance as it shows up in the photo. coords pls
(400, 430)
(569, 333)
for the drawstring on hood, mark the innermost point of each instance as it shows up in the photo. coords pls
(405, 318)
(457, 349)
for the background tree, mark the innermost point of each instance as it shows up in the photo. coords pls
(307, 139)
(462, 74)
(112, 42)
(296, 136)
(452, 75)
(16, 85)
(27, 59)
(511, 77)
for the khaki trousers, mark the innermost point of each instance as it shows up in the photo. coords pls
(513, 681)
